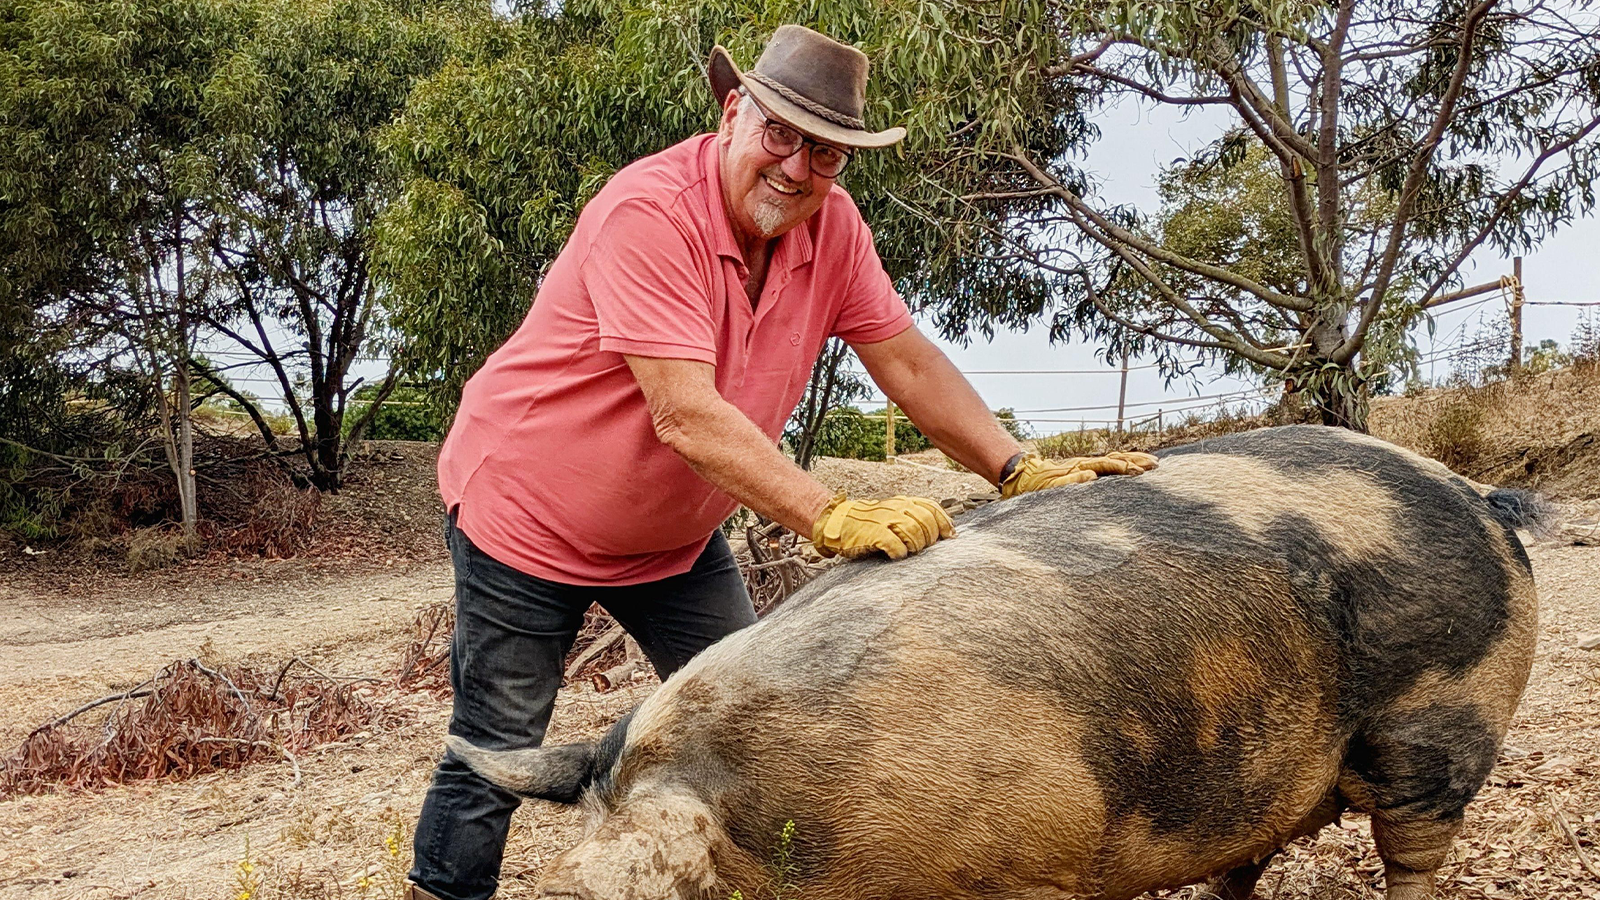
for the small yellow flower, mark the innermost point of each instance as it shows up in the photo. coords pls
(246, 866)
(364, 882)
(244, 895)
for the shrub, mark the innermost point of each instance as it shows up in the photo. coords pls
(1455, 435)
(1086, 442)
(407, 415)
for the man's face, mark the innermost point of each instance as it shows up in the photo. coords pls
(766, 194)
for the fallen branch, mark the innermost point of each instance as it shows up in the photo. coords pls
(601, 644)
(335, 679)
(615, 677)
(128, 694)
(1572, 837)
(200, 667)
(1582, 535)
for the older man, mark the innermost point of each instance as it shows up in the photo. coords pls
(596, 453)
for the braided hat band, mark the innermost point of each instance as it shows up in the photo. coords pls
(807, 104)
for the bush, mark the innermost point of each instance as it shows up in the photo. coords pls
(407, 415)
(849, 433)
(1087, 442)
(1455, 435)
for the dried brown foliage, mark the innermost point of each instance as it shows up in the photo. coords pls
(772, 559)
(425, 662)
(186, 720)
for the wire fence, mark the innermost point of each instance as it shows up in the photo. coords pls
(247, 371)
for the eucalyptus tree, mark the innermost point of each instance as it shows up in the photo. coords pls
(1402, 138)
(502, 148)
(107, 164)
(299, 108)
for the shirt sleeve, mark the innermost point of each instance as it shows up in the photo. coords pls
(872, 310)
(650, 292)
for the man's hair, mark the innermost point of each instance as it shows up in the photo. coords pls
(747, 104)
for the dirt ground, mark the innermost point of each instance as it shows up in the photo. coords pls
(317, 828)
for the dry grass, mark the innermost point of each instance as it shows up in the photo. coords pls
(1541, 431)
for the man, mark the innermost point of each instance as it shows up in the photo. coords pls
(595, 454)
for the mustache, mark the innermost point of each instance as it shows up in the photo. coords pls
(776, 174)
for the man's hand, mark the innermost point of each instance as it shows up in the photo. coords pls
(1035, 473)
(896, 527)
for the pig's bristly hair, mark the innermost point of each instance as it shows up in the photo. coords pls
(560, 774)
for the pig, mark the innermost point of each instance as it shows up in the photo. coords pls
(1091, 692)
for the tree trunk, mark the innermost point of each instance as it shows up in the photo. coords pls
(819, 400)
(1342, 402)
(188, 502)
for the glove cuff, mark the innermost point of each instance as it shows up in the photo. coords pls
(819, 529)
(1011, 475)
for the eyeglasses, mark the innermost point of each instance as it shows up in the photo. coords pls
(827, 161)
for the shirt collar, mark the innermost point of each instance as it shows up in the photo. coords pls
(716, 209)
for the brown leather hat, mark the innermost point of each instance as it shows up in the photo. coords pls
(810, 81)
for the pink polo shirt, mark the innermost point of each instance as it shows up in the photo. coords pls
(553, 463)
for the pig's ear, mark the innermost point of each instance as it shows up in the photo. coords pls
(547, 773)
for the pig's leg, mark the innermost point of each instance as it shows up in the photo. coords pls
(1418, 769)
(1240, 883)
(1412, 851)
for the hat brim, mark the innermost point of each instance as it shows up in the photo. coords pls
(725, 77)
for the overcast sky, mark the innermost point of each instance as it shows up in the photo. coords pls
(1137, 140)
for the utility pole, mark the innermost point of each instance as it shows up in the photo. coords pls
(1516, 317)
(1122, 394)
(888, 431)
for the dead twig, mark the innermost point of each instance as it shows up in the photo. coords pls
(211, 673)
(1572, 838)
(128, 694)
(601, 644)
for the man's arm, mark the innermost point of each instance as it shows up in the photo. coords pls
(722, 445)
(921, 380)
(728, 450)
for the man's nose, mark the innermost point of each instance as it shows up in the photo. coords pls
(798, 167)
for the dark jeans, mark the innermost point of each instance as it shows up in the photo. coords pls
(512, 635)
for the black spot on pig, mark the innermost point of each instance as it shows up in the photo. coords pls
(1428, 762)
(1394, 616)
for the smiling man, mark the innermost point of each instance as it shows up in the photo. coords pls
(595, 454)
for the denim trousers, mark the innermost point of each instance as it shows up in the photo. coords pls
(512, 635)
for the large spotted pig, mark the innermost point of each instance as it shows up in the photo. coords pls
(1093, 692)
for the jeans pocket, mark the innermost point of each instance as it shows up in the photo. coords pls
(461, 549)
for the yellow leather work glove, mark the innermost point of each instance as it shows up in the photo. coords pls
(896, 527)
(1034, 472)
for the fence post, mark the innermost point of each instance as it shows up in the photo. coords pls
(1516, 317)
(888, 434)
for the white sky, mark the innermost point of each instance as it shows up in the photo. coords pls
(1136, 141)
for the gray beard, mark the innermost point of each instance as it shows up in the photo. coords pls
(768, 217)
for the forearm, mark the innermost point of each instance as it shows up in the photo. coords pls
(725, 448)
(963, 428)
(942, 403)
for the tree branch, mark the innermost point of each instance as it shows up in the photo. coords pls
(1413, 184)
(1152, 249)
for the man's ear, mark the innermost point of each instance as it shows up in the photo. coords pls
(730, 112)
(560, 774)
